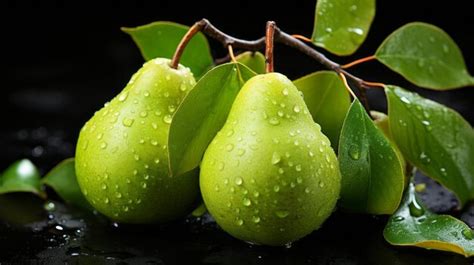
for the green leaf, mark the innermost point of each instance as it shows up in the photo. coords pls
(414, 225)
(160, 39)
(21, 176)
(253, 60)
(372, 173)
(434, 138)
(426, 56)
(202, 114)
(341, 26)
(328, 101)
(62, 179)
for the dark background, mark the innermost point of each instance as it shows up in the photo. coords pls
(63, 59)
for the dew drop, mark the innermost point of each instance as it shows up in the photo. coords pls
(221, 166)
(143, 114)
(415, 209)
(256, 219)
(398, 218)
(274, 121)
(467, 234)
(239, 222)
(239, 181)
(276, 188)
(229, 147)
(282, 213)
(424, 158)
(127, 122)
(354, 152)
(276, 158)
(103, 145)
(298, 167)
(285, 92)
(296, 109)
(247, 202)
(167, 119)
(123, 96)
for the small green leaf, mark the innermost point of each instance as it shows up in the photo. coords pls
(328, 101)
(202, 114)
(160, 39)
(253, 60)
(414, 225)
(434, 138)
(372, 174)
(21, 176)
(199, 211)
(341, 26)
(426, 56)
(62, 179)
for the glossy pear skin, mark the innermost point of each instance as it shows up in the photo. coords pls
(122, 156)
(270, 176)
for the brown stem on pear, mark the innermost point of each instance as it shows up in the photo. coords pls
(269, 37)
(198, 26)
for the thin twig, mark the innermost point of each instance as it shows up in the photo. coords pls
(359, 61)
(231, 53)
(301, 37)
(269, 36)
(281, 37)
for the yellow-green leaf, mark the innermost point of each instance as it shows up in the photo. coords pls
(414, 225)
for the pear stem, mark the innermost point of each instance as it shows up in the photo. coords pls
(269, 36)
(196, 28)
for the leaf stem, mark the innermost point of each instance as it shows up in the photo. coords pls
(231, 53)
(269, 36)
(359, 61)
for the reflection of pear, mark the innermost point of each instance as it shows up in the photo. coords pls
(270, 176)
(121, 157)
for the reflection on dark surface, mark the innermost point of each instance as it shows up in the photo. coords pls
(65, 234)
(34, 231)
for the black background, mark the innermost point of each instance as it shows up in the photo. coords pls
(61, 60)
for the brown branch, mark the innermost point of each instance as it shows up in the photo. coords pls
(281, 37)
(269, 36)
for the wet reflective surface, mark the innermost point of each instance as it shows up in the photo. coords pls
(49, 232)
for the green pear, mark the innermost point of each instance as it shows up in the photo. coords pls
(270, 176)
(122, 156)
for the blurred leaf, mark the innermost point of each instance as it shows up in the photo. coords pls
(62, 179)
(426, 56)
(341, 26)
(160, 39)
(202, 114)
(328, 101)
(434, 138)
(414, 225)
(372, 174)
(253, 60)
(21, 176)
(199, 211)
